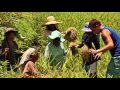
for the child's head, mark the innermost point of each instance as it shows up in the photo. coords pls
(34, 55)
(71, 34)
(56, 38)
(30, 54)
(56, 42)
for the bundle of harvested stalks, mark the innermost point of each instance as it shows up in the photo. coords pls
(71, 34)
(85, 53)
(73, 49)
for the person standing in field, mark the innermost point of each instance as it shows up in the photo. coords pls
(9, 48)
(89, 40)
(55, 52)
(51, 25)
(112, 43)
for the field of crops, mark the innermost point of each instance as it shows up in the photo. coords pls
(29, 26)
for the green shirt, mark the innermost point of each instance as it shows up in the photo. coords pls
(55, 55)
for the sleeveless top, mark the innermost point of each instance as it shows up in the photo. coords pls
(116, 40)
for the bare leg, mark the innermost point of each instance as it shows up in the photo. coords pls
(93, 70)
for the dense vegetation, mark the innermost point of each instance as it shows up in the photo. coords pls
(30, 32)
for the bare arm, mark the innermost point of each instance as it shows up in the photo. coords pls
(107, 40)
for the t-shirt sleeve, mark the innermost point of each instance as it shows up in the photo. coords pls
(84, 40)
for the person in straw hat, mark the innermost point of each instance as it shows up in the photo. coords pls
(89, 40)
(55, 52)
(27, 63)
(51, 25)
(9, 48)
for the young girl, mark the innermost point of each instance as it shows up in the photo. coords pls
(27, 63)
(55, 50)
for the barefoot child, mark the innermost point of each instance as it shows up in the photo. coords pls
(27, 63)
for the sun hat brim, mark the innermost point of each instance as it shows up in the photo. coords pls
(61, 39)
(51, 22)
(15, 31)
(86, 30)
(56, 35)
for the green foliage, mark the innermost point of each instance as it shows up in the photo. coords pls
(30, 32)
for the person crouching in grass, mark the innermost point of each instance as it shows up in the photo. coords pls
(27, 63)
(55, 52)
(89, 40)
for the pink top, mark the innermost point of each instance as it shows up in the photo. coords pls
(29, 70)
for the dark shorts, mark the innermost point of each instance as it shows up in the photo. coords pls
(91, 60)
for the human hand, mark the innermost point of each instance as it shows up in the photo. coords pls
(72, 46)
(97, 56)
(93, 51)
(77, 46)
(6, 50)
(63, 33)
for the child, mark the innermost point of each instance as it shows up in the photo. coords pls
(55, 50)
(27, 63)
(88, 39)
(71, 36)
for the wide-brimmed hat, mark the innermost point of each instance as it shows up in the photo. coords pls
(7, 30)
(51, 20)
(86, 28)
(56, 34)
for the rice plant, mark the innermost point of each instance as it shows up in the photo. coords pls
(29, 26)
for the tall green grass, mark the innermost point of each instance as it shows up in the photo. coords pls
(30, 27)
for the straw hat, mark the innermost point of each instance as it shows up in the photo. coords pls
(10, 30)
(51, 20)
